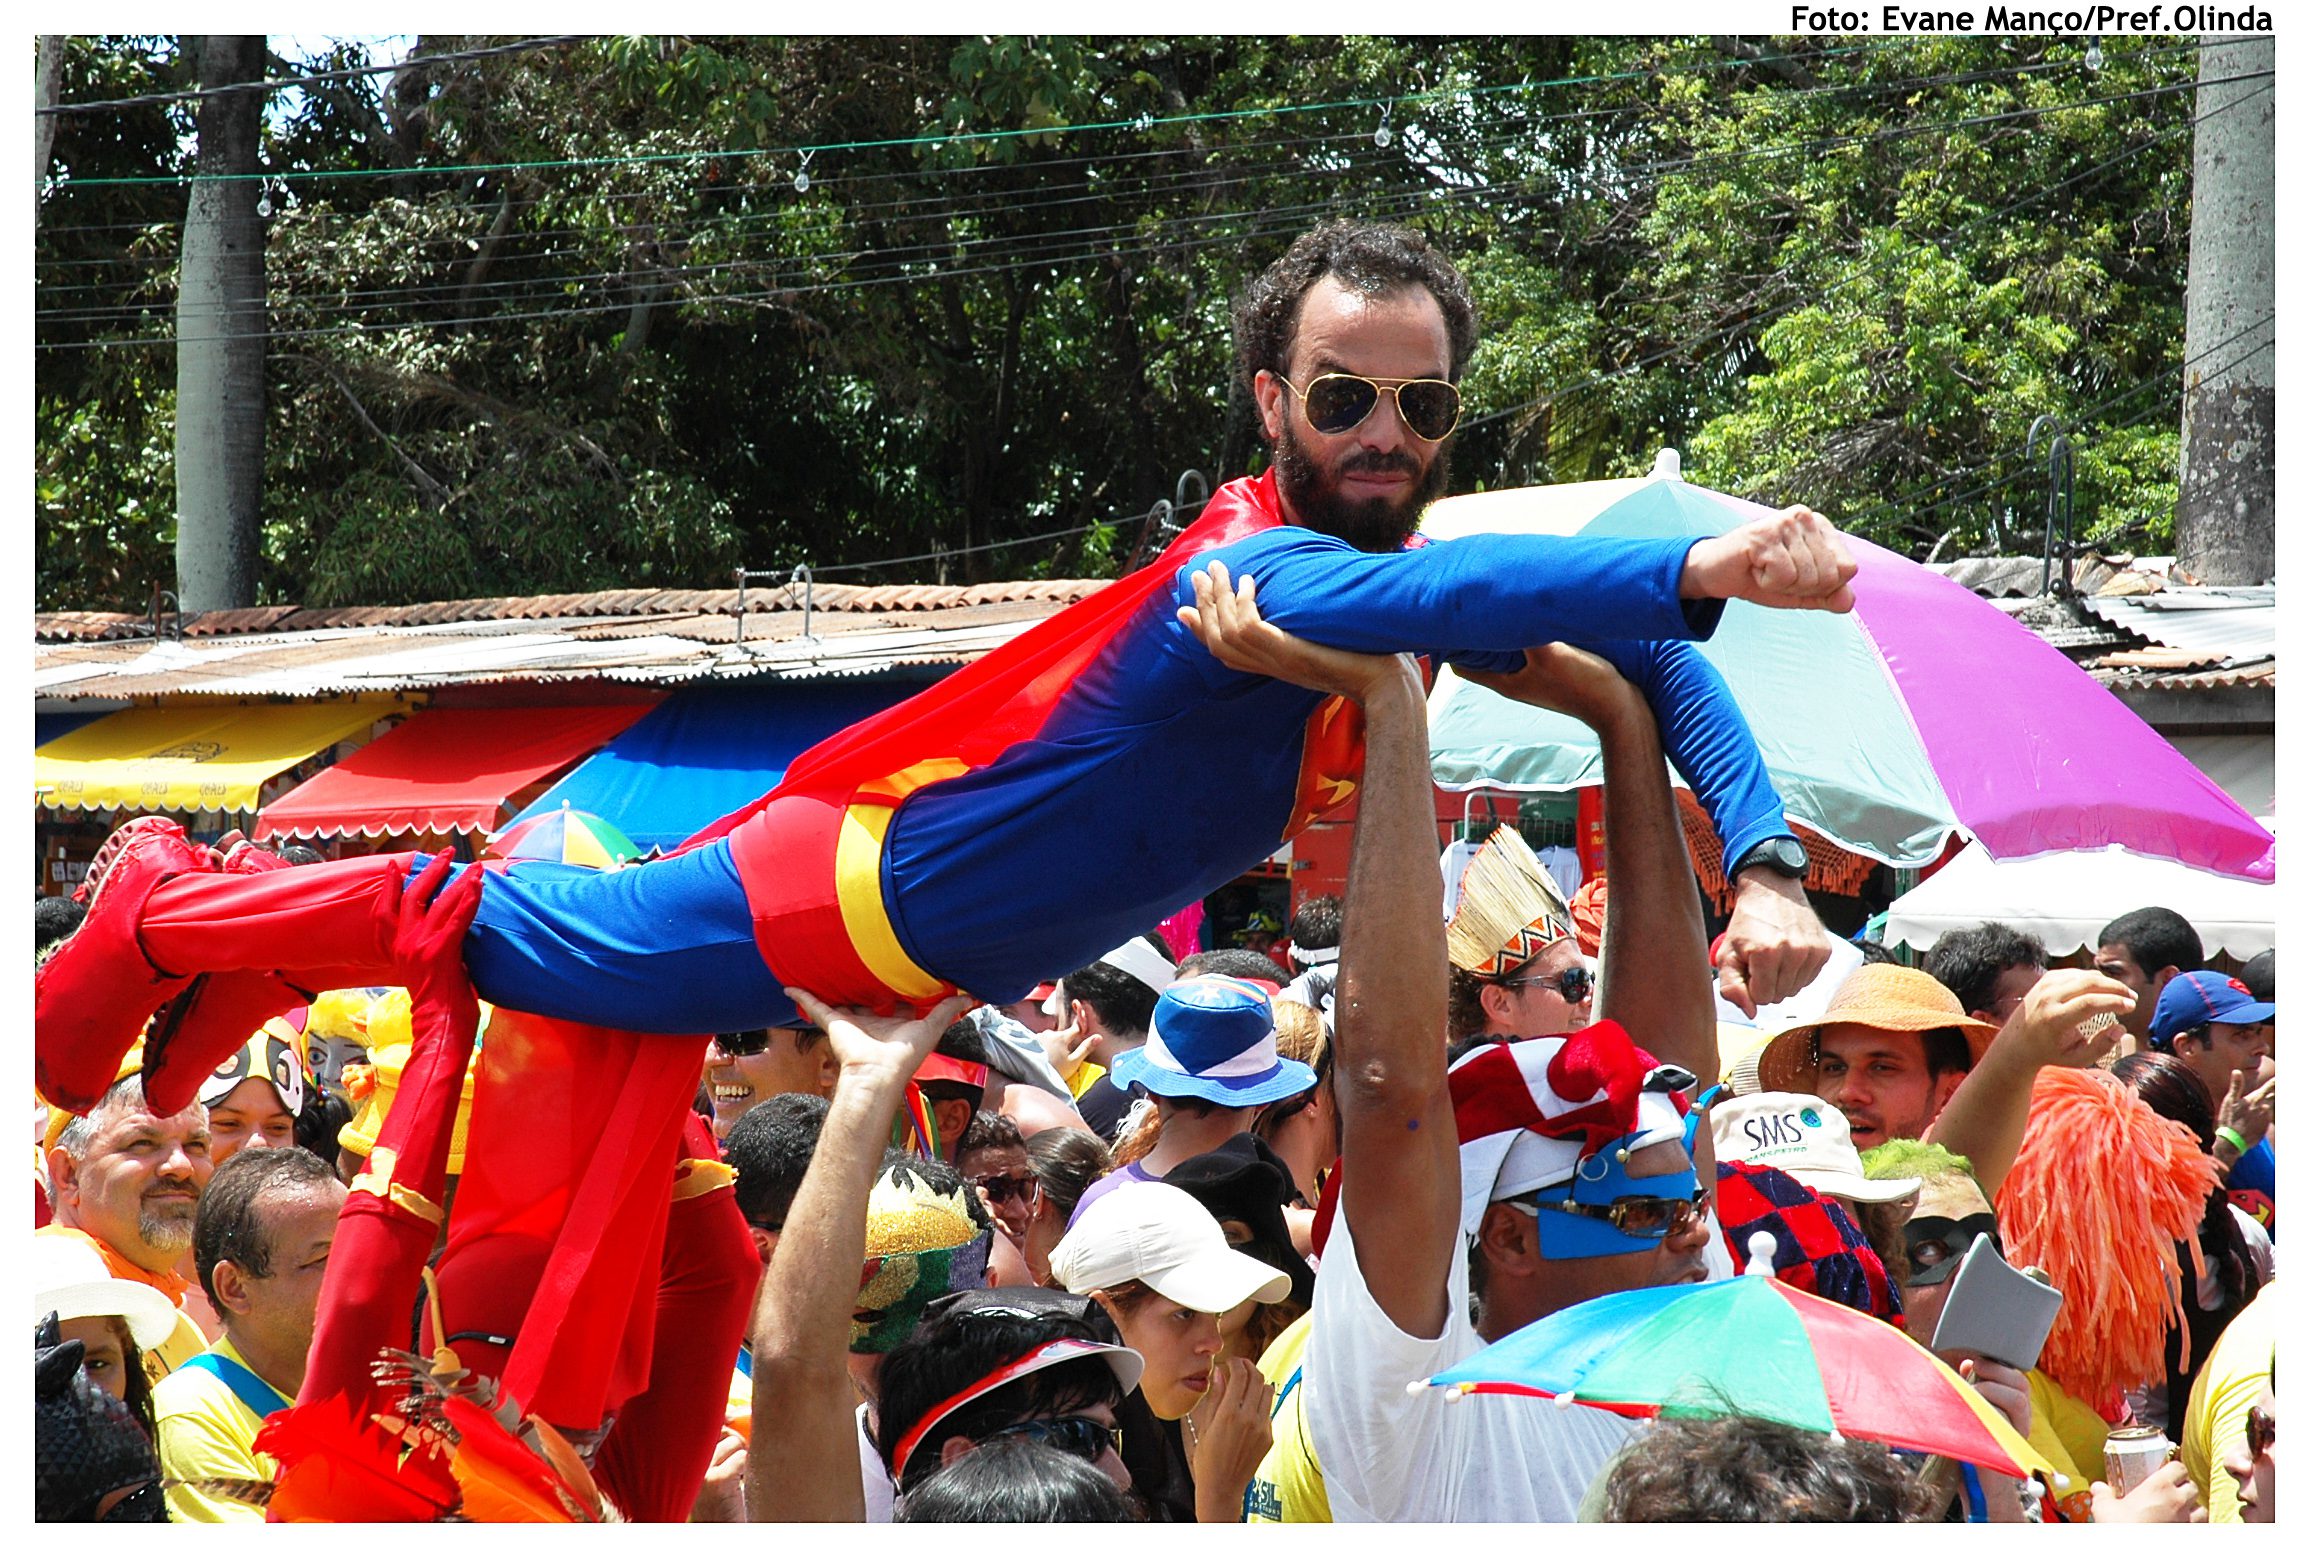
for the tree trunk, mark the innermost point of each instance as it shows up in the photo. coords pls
(2225, 523)
(220, 358)
(47, 86)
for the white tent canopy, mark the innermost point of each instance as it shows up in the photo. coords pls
(2065, 899)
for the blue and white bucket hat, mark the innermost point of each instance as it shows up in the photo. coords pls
(1213, 1038)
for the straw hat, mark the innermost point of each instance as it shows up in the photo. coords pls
(1510, 909)
(1885, 996)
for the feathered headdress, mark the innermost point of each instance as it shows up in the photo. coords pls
(1510, 908)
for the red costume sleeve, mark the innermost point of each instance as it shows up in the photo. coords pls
(655, 1458)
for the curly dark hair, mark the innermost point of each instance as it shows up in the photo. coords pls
(1969, 961)
(1749, 1469)
(1375, 259)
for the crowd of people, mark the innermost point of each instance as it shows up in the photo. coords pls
(702, 1190)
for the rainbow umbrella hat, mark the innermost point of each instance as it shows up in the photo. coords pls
(1751, 1345)
(1925, 712)
(571, 837)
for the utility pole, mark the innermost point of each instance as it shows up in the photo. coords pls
(47, 87)
(2225, 523)
(220, 339)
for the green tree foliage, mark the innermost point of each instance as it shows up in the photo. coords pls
(587, 316)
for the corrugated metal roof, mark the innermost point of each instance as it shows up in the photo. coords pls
(565, 641)
(2261, 674)
(61, 626)
(2236, 623)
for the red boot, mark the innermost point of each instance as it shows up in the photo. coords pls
(205, 1026)
(93, 994)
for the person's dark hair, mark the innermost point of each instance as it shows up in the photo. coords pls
(2155, 938)
(1946, 1051)
(319, 1120)
(1464, 1016)
(1375, 259)
(1876, 952)
(1316, 923)
(2177, 1093)
(961, 1041)
(229, 1225)
(1014, 1479)
(1123, 1002)
(989, 1129)
(300, 854)
(770, 1149)
(2260, 975)
(1067, 1162)
(1745, 1469)
(954, 1349)
(1234, 963)
(1969, 961)
(53, 919)
(943, 1178)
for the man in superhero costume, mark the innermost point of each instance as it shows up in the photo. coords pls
(1104, 754)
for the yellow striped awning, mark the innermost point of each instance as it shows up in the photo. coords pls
(211, 758)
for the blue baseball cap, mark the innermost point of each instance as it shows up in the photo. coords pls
(1213, 1038)
(2205, 995)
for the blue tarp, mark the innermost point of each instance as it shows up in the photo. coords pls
(47, 727)
(706, 752)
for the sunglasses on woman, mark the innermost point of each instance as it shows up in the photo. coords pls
(1339, 402)
(1083, 1436)
(2261, 1431)
(1639, 1217)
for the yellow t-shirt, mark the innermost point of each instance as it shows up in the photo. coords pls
(205, 1435)
(1085, 1074)
(2069, 1434)
(1288, 1487)
(2227, 1388)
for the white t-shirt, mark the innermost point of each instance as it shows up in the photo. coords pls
(1392, 1454)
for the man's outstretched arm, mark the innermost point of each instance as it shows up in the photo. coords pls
(1399, 1152)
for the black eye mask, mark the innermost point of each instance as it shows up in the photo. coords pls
(1937, 1244)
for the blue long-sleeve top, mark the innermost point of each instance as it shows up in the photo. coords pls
(1161, 775)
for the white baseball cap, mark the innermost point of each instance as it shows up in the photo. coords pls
(1147, 1231)
(71, 1282)
(1805, 1138)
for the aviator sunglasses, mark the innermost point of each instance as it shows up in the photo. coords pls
(1338, 402)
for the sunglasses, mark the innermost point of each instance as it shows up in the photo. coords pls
(1573, 983)
(1339, 402)
(1937, 1245)
(1083, 1436)
(750, 1041)
(2261, 1432)
(1639, 1217)
(1007, 1187)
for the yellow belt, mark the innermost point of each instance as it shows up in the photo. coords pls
(858, 882)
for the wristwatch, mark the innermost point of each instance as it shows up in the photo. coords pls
(1782, 856)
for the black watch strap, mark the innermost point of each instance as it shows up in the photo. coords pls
(1783, 856)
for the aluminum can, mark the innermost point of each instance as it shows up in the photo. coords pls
(2130, 1456)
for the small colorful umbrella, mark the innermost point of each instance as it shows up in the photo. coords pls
(575, 838)
(1924, 712)
(1751, 1345)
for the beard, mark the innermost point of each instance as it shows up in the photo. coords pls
(167, 1228)
(1367, 524)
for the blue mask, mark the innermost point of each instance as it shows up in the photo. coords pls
(1601, 1179)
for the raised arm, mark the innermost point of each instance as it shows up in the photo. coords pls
(804, 1461)
(1401, 1191)
(1656, 982)
(1986, 1117)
